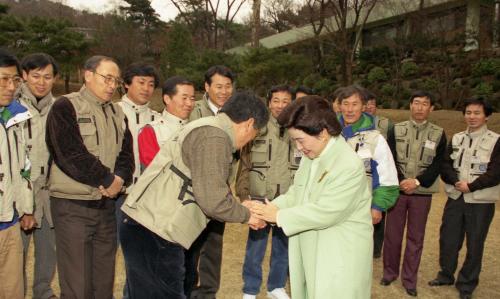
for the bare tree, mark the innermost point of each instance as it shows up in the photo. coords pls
(349, 18)
(255, 23)
(281, 15)
(217, 14)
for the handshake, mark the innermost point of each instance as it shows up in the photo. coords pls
(261, 212)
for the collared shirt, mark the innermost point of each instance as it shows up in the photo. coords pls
(212, 106)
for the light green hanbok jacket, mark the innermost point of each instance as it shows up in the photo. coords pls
(329, 225)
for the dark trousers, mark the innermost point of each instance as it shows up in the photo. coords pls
(410, 210)
(85, 247)
(462, 219)
(378, 236)
(155, 267)
(208, 255)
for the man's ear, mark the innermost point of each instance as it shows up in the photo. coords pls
(250, 123)
(87, 75)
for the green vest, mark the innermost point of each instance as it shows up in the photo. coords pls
(102, 127)
(162, 200)
(274, 162)
(416, 146)
(471, 156)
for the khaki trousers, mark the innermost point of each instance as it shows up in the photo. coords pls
(11, 263)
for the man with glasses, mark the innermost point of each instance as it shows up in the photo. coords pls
(39, 74)
(16, 196)
(92, 160)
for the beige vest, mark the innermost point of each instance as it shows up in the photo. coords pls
(34, 132)
(14, 189)
(162, 199)
(102, 127)
(382, 125)
(201, 109)
(416, 146)
(274, 162)
(471, 155)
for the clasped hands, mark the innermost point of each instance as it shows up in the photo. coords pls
(114, 189)
(260, 213)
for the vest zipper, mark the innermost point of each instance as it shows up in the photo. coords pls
(289, 152)
(407, 149)
(116, 130)
(137, 118)
(29, 128)
(270, 149)
(105, 114)
(460, 160)
(421, 153)
(96, 130)
(356, 148)
(152, 117)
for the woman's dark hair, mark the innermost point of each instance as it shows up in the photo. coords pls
(303, 89)
(310, 114)
(244, 105)
(487, 108)
(39, 61)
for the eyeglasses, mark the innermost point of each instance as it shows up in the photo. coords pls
(5, 80)
(111, 80)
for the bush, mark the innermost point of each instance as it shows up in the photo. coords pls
(486, 67)
(377, 74)
(495, 85)
(409, 69)
(429, 84)
(483, 89)
(388, 89)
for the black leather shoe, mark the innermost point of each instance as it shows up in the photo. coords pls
(411, 292)
(464, 295)
(438, 282)
(385, 282)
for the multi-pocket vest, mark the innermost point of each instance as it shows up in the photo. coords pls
(471, 157)
(162, 200)
(274, 161)
(416, 147)
(102, 127)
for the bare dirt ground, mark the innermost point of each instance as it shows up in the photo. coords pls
(489, 285)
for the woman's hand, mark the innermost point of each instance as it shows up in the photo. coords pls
(266, 211)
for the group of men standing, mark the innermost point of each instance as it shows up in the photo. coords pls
(162, 185)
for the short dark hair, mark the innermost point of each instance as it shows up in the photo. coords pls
(169, 87)
(278, 88)
(93, 62)
(244, 105)
(422, 94)
(304, 89)
(220, 70)
(310, 114)
(348, 91)
(140, 69)
(39, 61)
(487, 108)
(8, 60)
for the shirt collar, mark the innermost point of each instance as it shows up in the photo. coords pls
(211, 105)
(25, 92)
(138, 108)
(169, 117)
(479, 132)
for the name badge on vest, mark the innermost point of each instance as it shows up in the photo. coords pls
(430, 144)
(475, 160)
(297, 154)
(483, 167)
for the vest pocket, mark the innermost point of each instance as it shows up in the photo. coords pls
(90, 138)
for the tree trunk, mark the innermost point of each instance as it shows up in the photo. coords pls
(255, 23)
(66, 82)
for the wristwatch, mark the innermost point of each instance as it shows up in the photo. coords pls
(417, 182)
